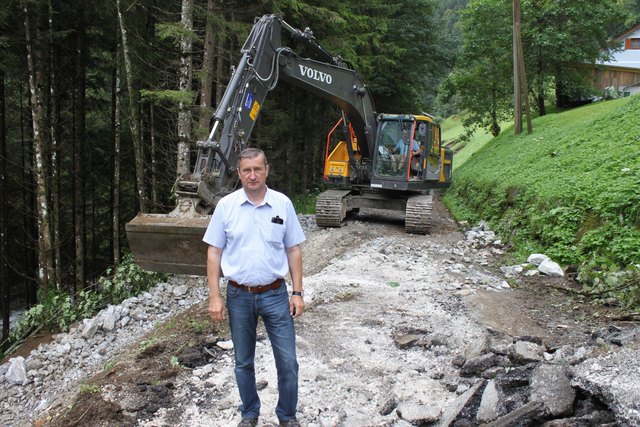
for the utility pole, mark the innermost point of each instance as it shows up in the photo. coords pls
(517, 90)
(520, 87)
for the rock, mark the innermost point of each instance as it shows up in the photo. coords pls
(623, 338)
(511, 271)
(458, 360)
(417, 414)
(109, 322)
(453, 411)
(490, 406)
(581, 354)
(476, 348)
(523, 416)
(515, 378)
(613, 378)
(405, 341)
(225, 345)
(389, 405)
(551, 386)
(90, 328)
(17, 372)
(180, 291)
(550, 268)
(525, 352)
(478, 364)
(536, 259)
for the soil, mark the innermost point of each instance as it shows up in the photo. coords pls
(367, 285)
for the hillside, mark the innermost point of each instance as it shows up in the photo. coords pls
(571, 189)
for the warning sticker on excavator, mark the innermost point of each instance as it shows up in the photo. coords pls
(254, 110)
(248, 101)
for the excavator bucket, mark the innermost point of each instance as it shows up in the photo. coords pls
(167, 244)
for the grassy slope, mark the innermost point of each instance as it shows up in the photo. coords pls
(571, 189)
(452, 129)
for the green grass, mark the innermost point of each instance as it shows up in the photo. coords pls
(452, 129)
(571, 189)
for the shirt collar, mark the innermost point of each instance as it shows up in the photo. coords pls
(266, 201)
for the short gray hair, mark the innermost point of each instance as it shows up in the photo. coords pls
(252, 153)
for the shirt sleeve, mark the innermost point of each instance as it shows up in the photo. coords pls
(215, 234)
(294, 235)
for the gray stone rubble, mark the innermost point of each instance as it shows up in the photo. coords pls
(30, 386)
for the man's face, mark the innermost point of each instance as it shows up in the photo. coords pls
(253, 173)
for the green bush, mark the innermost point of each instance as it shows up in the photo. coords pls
(57, 310)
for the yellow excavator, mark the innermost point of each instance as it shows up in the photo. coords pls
(372, 160)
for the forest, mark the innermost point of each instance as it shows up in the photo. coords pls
(102, 103)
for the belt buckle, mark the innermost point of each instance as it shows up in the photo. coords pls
(252, 289)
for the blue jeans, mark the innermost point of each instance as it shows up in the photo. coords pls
(273, 306)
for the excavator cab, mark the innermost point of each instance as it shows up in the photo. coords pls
(408, 150)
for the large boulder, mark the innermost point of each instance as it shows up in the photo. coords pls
(551, 386)
(613, 378)
(17, 372)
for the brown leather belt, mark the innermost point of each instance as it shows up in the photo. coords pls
(257, 289)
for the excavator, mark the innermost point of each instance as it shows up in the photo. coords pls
(372, 160)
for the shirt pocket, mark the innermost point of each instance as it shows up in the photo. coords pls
(276, 235)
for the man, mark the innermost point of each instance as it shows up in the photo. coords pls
(401, 149)
(254, 239)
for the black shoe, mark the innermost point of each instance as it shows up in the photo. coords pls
(248, 422)
(291, 422)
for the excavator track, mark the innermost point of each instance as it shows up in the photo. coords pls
(331, 208)
(418, 214)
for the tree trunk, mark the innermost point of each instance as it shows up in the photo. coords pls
(186, 69)
(115, 193)
(133, 107)
(154, 157)
(219, 68)
(4, 283)
(36, 85)
(206, 79)
(54, 121)
(28, 205)
(495, 125)
(79, 202)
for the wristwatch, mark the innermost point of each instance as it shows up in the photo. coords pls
(297, 294)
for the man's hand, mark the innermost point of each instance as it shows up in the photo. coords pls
(296, 306)
(216, 308)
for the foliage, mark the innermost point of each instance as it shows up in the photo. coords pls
(305, 203)
(558, 35)
(571, 189)
(89, 388)
(481, 80)
(57, 310)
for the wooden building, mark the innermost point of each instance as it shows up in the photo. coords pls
(622, 72)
